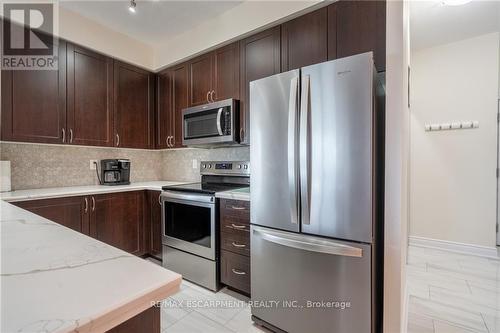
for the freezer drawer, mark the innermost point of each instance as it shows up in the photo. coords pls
(317, 285)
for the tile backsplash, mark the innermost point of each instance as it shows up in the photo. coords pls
(178, 164)
(41, 166)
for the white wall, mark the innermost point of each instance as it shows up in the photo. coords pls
(453, 182)
(396, 167)
(93, 35)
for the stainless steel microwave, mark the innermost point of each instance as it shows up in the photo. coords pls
(211, 125)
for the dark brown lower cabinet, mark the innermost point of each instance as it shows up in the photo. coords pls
(147, 321)
(117, 219)
(154, 221)
(235, 244)
(69, 212)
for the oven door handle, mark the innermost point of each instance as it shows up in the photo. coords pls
(166, 195)
(219, 117)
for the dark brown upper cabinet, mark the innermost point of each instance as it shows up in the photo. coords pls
(34, 103)
(118, 220)
(214, 75)
(179, 101)
(227, 72)
(164, 110)
(259, 57)
(332, 31)
(304, 40)
(90, 102)
(361, 28)
(200, 79)
(133, 106)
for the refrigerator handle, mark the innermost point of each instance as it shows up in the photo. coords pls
(292, 144)
(304, 150)
(303, 243)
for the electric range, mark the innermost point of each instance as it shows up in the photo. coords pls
(190, 223)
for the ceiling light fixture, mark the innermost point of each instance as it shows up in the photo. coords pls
(132, 6)
(455, 2)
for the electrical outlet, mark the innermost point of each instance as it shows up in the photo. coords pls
(93, 164)
(195, 164)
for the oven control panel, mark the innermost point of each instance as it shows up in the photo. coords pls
(225, 168)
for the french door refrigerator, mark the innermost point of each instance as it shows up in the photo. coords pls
(317, 198)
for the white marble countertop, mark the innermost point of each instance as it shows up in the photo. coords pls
(57, 192)
(239, 194)
(54, 279)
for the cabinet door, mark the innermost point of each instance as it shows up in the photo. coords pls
(180, 100)
(200, 79)
(90, 91)
(227, 72)
(260, 57)
(34, 103)
(133, 98)
(304, 40)
(71, 212)
(155, 248)
(361, 28)
(117, 219)
(164, 110)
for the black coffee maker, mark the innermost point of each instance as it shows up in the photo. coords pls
(115, 172)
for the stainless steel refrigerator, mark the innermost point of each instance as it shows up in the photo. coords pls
(317, 198)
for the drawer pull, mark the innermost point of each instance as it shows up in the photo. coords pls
(238, 245)
(235, 271)
(237, 226)
(237, 208)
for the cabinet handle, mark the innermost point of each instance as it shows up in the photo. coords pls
(117, 139)
(170, 141)
(235, 271)
(237, 226)
(208, 93)
(212, 95)
(237, 208)
(159, 199)
(93, 204)
(173, 141)
(242, 134)
(238, 245)
(63, 135)
(70, 135)
(86, 205)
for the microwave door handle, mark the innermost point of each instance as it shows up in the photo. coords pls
(219, 116)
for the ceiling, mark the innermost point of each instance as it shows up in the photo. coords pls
(432, 23)
(154, 21)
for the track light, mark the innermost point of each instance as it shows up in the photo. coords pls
(132, 6)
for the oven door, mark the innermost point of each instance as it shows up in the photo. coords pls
(188, 222)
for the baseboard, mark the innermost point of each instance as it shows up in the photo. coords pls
(470, 249)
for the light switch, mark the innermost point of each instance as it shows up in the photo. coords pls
(195, 164)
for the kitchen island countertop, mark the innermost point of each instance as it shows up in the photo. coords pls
(54, 279)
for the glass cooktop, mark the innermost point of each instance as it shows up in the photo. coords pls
(206, 188)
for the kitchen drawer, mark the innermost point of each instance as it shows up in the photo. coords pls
(235, 271)
(236, 208)
(235, 226)
(236, 242)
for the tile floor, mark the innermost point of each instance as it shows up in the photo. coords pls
(450, 292)
(198, 310)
